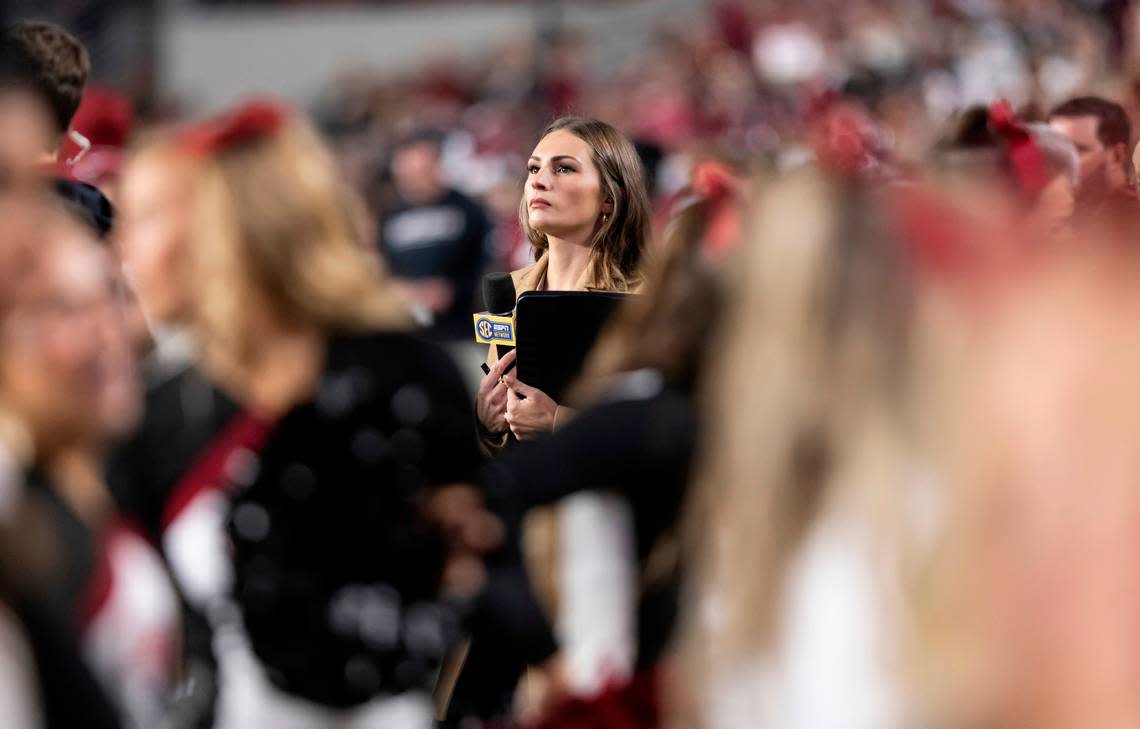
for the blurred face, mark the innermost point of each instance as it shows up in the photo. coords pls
(1100, 167)
(26, 132)
(415, 170)
(63, 371)
(153, 231)
(563, 192)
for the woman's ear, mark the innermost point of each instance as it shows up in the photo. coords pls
(607, 206)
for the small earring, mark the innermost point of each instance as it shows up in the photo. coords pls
(605, 218)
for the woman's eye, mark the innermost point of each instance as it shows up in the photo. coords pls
(533, 169)
(564, 169)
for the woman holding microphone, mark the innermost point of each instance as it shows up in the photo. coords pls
(586, 213)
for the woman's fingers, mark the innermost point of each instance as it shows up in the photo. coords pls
(501, 366)
(494, 376)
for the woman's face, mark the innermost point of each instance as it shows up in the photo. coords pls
(154, 220)
(66, 369)
(564, 189)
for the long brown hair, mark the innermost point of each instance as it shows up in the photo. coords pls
(621, 238)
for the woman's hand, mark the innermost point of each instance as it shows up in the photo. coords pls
(468, 529)
(530, 412)
(491, 402)
(541, 690)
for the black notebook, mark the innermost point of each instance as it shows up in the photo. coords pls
(555, 330)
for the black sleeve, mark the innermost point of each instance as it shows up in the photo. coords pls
(381, 241)
(69, 692)
(451, 439)
(475, 257)
(123, 479)
(628, 447)
(335, 570)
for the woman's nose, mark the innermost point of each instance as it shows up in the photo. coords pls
(540, 180)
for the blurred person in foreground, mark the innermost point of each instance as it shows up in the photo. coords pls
(183, 410)
(795, 614)
(60, 67)
(110, 581)
(1103, 137)
(63, 398)
(57, 66)
(345, 480)
(1030, 607)
(434, 239)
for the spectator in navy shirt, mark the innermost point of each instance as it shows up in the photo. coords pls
(433, 238)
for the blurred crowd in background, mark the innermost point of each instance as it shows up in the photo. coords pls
(865, 434)
(735, 86)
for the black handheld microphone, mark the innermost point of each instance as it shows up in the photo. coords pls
(496, 325)
(499, 293)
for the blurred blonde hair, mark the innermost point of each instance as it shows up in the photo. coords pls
(275, 225)
(806, 401)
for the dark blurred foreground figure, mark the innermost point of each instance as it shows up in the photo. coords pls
(183, 410)
(434, 239)
(61, 396)
(344, 483)
(55, 68)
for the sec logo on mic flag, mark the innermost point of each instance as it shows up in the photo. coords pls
(491, 329)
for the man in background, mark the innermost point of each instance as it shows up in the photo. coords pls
(1100, 130)
(433, 238)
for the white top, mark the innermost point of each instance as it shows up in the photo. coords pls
(196, 548)
(831, 669)
(19, 695)
(598, 577)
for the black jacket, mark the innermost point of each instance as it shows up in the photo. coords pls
(336, 573)
(183, 414)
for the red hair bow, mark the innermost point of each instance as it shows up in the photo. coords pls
(719, 187)
(245, 123)
(841, 134)
(1025, 157)
(714, 181)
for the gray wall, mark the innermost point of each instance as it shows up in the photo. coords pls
(210, 57)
